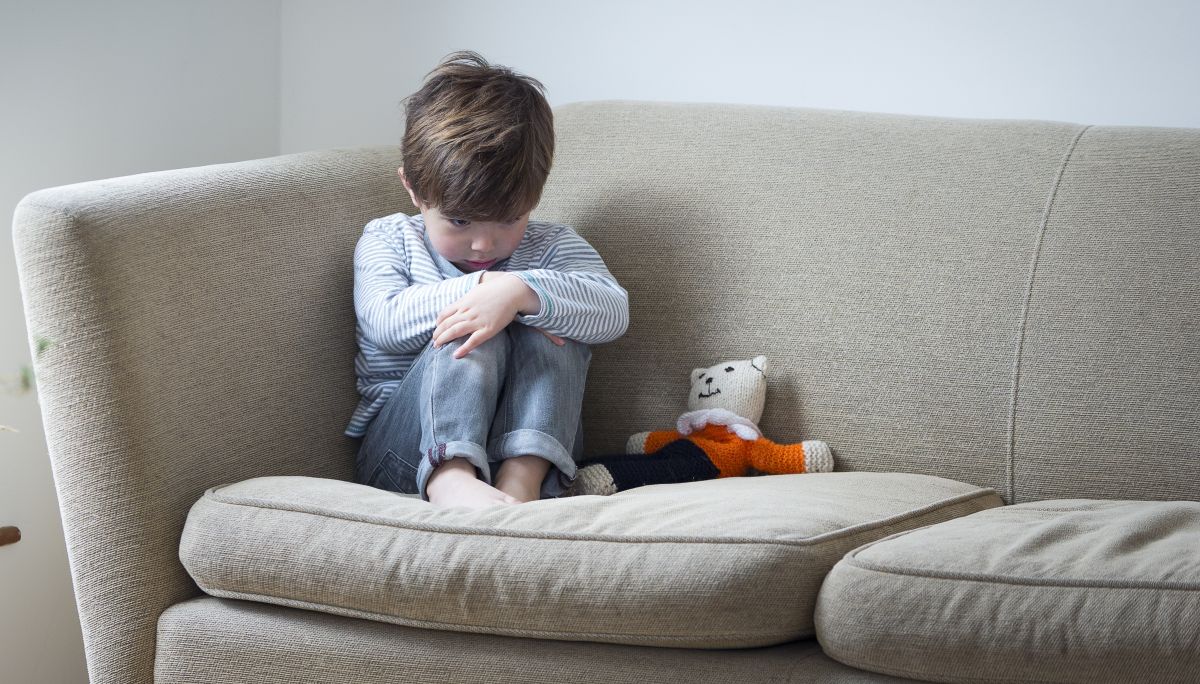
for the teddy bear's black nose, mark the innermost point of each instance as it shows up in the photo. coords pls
(708, 381)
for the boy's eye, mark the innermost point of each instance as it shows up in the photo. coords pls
(460, 222)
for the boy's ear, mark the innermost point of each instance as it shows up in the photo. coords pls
(411, 194)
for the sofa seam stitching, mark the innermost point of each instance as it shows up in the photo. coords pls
(1019, 352)
(811, 541)
(394, 619)
(854, 560)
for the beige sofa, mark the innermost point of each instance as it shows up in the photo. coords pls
(994, 324)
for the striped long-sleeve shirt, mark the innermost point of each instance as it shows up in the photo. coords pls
(401, 284)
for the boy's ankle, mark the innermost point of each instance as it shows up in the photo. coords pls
(521, 477)
(458, 485)
(454, 470)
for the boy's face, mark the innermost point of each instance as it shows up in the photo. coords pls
(470, 245)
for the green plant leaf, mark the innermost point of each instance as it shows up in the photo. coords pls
(41, 344)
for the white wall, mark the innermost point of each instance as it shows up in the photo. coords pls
(348, 64)
(91, 90)
(96, 89)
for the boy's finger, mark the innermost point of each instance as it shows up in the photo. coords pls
(477, 338)
(447, 324)
(447, 312)
(441, 330)
(466, 346)
(452, 332)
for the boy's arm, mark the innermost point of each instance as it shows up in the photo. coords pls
(485, 311)
(394, 314)
(578, 298)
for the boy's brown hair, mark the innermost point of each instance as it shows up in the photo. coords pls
(478, 140)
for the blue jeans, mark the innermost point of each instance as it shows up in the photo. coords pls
(517, 394)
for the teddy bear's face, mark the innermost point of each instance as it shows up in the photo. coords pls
(737, 386)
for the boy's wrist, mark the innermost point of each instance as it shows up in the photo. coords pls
(529, 304)
(527, 300)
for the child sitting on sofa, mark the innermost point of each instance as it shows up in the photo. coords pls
(474, 323)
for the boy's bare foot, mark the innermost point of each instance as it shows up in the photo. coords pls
(521, 477)
(454, 484)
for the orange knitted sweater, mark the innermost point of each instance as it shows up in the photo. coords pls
(734, 456)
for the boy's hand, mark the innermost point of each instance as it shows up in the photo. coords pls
(486, 310)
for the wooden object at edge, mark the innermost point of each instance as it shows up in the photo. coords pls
(9, 535)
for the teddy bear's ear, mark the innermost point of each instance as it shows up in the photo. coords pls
(760, 362)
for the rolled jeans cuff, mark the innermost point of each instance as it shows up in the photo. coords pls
(440, 453)
(537, 443)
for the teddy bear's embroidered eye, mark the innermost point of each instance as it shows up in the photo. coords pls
(701, 376)
(729, 369)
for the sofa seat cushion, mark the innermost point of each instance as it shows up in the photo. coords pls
(207, 639)
(726, 563)
(1054, 591)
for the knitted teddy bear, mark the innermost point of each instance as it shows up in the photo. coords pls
(717, 437)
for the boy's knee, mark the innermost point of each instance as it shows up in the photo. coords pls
(521, 333)
(581, 350)
(535, 339)
(497, 345)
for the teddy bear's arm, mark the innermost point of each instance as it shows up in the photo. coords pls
(636, 444)
(659, 439)
(812, 456)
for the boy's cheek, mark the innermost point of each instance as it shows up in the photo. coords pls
(448, 250)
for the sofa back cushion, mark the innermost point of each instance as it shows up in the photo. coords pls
(1014, 304)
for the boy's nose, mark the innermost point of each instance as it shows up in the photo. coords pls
(482, 245)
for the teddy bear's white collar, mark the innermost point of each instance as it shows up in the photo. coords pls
(696, 420)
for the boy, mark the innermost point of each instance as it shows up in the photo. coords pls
(474, 323)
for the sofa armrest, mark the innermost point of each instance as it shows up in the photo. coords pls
(200, 331)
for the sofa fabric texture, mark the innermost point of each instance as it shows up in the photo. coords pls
(726, 563)
(193, 317)
(210, 639)
(1055, 591)
(1008, 304)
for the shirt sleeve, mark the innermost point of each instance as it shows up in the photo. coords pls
(394, 314)
(580, 299)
